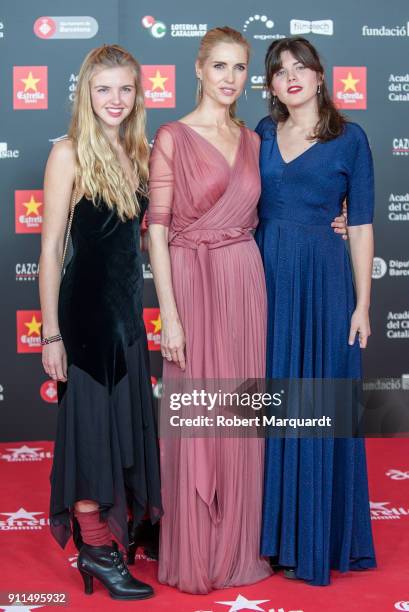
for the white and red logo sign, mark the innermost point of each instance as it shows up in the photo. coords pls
(28, 211)
(28, 331)
(30, 86)
(400, 147)
(48, 391)
(156, 387)
(153, 326)
(21, 520)
(45, 27)
(383, 511)
(24, 453)
(156, 28)
(398, 474)
(159, 84)
(65, 27)
(349, 85)
(242, 603)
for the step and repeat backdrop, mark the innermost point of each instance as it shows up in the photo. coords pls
(365, 48)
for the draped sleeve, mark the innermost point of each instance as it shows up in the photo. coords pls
(161, 178)
(266, 128)
(360, 193)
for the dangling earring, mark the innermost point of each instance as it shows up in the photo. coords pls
(274, 100)
(199, 90)
(245, 94)
(319, 89)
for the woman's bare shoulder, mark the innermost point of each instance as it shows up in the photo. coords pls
(61, 164)
(63, 152)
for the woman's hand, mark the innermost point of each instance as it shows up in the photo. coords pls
(173, 342)
(360, 325)
(55, 361)
(340, 223)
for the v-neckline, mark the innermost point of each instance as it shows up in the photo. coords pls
(287, 163)
(236, 155)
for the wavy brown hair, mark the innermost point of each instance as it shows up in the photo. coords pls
(210, 40)
(330, 123)
(99, 171)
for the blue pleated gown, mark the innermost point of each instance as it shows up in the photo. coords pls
(316, 508)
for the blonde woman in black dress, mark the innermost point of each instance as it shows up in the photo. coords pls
(94, 339)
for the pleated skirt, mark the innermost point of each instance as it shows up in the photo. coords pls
(214, 543)
(316, 507)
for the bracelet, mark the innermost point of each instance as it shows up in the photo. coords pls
(51, 339)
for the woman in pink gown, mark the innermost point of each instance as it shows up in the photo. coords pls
(210, 283)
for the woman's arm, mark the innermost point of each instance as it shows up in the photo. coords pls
(160, 210)
(362, 250)
(172, 335)
(360, 203)
(58, 184)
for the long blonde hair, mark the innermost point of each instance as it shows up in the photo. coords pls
(99, 171)
(211, 39)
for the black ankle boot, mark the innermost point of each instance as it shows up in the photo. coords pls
(146, 535)
(107, 564)
(288, 572)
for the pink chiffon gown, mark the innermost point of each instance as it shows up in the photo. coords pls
(211, 491)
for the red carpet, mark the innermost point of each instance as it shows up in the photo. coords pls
(31, 561)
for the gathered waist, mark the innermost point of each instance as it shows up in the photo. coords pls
(325, 225)
(210, 239)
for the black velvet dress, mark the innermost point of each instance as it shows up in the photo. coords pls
(106, 446)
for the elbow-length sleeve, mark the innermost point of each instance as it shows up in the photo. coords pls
(161, 179)
(360, 188)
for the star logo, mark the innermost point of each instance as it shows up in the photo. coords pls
(157, 324)
(20, 515)
(30, 87)
(24, 450)
(30, 83)
(28, 331)
(32, 206)
(34, 326)
(349, 87)
(350, 83)
(159, 84)
(153, 326)
(28, 210)
(378, 505)
(20, 608)
(242, 603)
(158, 81)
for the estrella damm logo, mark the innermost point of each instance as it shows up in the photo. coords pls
(28, 211)
(159, 86)
(153, 326)
(30, 86)
(28, 331)
(349, 85)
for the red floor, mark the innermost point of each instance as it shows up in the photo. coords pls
(31, 561)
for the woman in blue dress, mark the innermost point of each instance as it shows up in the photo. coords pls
(316, 508)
